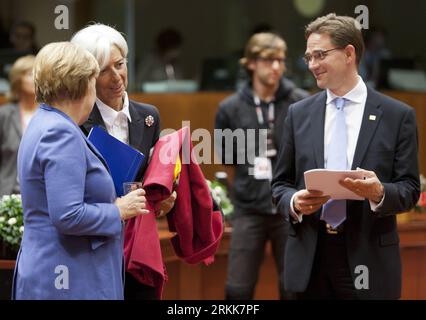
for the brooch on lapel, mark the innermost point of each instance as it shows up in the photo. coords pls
(149, 121)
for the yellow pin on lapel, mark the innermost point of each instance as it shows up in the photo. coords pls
(372, 117)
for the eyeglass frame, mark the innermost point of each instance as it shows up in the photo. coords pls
(321, 55)
(271, 60)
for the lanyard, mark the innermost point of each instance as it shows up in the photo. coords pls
(259, 113)
(271, 149)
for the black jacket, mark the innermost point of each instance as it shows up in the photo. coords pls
(239, 112)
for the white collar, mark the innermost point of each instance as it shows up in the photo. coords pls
(355, 95)
(109, 114)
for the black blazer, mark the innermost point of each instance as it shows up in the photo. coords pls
(388, 146)
(141, 136)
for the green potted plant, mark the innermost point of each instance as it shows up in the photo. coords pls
(421, 204)
(11, 225)
(419, 211)
(220, 195)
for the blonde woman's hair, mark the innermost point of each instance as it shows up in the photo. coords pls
(17, 72)
(62, 71)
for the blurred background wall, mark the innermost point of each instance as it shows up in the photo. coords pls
(220, 28)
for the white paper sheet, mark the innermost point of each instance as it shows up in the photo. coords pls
(327, 181)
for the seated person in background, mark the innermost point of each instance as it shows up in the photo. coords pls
(375, 52)
(72, 246)
(22, 42)
(22, 37)
(226, 73)
(162, 64)
(14, 118)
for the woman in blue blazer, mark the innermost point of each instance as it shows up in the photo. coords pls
(72, 244)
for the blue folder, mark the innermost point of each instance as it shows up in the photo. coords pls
(123, 161)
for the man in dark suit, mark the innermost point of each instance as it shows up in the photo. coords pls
(345, 249)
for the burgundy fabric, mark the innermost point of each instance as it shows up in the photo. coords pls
(197, 226)
(143, 257)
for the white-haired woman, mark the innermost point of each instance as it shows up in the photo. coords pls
(72, 243)
(131, 122)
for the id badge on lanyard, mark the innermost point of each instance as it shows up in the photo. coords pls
(262, 164)
(262, 168)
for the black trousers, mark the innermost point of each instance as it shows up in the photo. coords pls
(250, 233)
(331, 277)
(134, 290)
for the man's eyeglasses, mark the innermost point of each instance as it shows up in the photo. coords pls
(317, 55)
(271, 60)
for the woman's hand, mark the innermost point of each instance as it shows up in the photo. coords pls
(167, 205)
(132, 204)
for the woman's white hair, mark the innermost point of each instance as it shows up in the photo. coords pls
(98, 40)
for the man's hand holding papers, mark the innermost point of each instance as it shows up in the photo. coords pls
(369, 187)
(308, 201)
(357, 184)
(322, 185)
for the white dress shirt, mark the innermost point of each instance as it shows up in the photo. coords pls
(354, 110)
(116, 122)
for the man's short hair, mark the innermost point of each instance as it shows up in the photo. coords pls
(264, 44)
(342, 30)
(62, 71)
